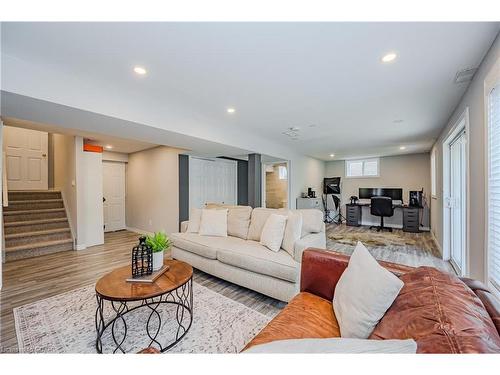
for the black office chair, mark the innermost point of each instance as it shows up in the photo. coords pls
(381, 206)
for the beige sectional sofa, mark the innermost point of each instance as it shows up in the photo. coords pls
(241, 259)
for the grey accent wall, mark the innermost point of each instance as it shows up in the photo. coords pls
(183, 188)
(242, 182)
(254, 180)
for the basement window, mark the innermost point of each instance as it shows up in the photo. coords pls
(362, 168)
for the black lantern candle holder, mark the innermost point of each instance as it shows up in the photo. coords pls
(142, 259)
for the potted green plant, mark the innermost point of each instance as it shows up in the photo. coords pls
(159, 242)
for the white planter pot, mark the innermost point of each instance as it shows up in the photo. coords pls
(157, 260)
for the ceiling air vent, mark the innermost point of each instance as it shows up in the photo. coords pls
(465, 75)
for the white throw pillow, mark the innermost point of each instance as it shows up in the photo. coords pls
(272, 233)
(213, 223)
(336, 345)
(194, 221)
(363, 294)
(292, 233)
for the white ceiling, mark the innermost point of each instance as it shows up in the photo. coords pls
(276, 75)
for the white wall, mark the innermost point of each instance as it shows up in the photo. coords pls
(305, 172)
(65, 175)
(152, 200)
(92, 193)
(409, 172)
(114, 156)
(474, 100)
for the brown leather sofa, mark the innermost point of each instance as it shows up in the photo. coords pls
(442, 313)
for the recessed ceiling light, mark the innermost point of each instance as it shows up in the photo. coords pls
(140, 70)
(402, 148)
(332, 155)
(108, 147)
(231, 110)
(389, 57)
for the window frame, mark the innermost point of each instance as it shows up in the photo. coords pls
(492, 81)
(363, 161)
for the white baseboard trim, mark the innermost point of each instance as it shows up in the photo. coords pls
(139, 231)
(80, 247)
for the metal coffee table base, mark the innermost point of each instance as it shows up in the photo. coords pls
(182, 297)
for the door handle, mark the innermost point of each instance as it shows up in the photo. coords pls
(44, 155)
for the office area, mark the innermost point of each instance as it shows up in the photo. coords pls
(384, 202)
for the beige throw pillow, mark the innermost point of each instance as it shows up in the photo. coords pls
(272, 233)
(259, 217)
(213, 223)
(194, 221)
(293, 232)
(363, 294)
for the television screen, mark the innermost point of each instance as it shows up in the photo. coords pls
(331, 185)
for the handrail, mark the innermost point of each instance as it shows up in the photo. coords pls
(5, 192)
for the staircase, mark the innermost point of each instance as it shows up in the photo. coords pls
(35, 223)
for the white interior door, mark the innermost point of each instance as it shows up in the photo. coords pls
(212, 181)
(114, 195)
(26, 158)
(458, 202)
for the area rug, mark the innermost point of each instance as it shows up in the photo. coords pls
(65, 324)
(374, 239)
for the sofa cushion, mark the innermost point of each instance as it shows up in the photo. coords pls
(213, 223)
(441, 313)
(293, 233)
(255, 257)
(272, 233)
(312, 221)
(259, 217)
(363, 294)
(194, 221)
(238, 219)
(305, 316)
(196, 244)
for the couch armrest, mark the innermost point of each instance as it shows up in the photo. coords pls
(184, 226)
(316, 240)
(321, 270)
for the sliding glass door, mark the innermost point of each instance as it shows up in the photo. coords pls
(458, 201)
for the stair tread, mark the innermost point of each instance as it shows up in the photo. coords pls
(36, 233)
(34, 222)
(38, 245)
(35, 210)
(55, 200)
(34, 191)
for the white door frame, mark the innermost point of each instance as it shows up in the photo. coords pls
(263, 181)
(461, 124)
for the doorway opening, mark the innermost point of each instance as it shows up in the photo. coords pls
(456, 195)
(275, 185)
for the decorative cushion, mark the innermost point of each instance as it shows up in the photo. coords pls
(293, 230)
(272, 233)
(337, 346)
(213, 223)
(238, 218)
(194, 221)
(259, 217)
(312, 221)
(441, 313)
(363, 294)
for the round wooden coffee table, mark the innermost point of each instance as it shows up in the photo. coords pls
(175, 287)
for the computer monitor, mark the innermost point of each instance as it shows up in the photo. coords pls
(396, 194)
(331, 185)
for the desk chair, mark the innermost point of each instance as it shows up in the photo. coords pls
(381, 206)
